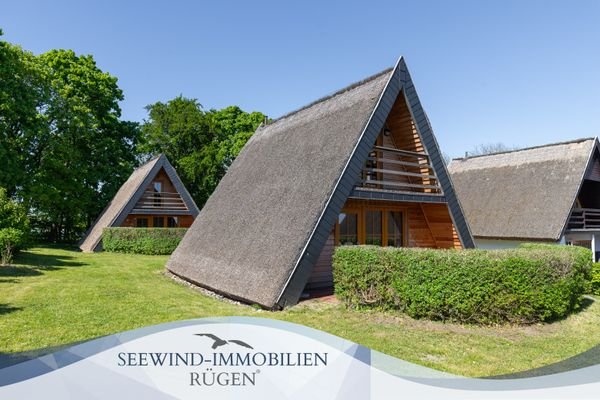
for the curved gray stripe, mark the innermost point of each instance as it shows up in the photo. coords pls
(402, 369)
(588, 358)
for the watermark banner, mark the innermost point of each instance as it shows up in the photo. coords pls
(255, 358)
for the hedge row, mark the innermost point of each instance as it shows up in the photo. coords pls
(596, 279)
(526, 285)
(154, 241)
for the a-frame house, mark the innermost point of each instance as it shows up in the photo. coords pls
(548, 193)
(360, 166)
(153, 196)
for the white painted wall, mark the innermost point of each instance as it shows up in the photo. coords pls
(592, 236)
(495, 244)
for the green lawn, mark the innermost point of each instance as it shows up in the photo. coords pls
(53, 297)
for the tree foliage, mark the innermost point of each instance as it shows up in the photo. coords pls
(67, 149)
(22, 93)
(201, 144)
(89, 151)
(490, 148)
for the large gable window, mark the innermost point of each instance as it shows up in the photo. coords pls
(378, 226)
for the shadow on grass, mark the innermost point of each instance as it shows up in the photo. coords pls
(28, 264)
(586, 303)
(586, 359)
(7, 308)
(46, 261)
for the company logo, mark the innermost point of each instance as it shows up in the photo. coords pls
(221, 367)
(220, 342)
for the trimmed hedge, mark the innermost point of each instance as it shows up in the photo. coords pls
(595, 279)
(152, 241)
(526, 285)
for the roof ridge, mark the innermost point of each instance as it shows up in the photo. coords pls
(526, 148)
(331, 95)
(151, 159)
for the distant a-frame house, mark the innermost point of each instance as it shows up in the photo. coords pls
(153, 196)
(548, 193)
(360, 166)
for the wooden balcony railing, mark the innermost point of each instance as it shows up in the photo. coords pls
(399, 170)
(161, 201)
(584, 218)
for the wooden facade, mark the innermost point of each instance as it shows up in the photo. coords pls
(157, 221)
(398, 163)
(424, 225)
(160, 206)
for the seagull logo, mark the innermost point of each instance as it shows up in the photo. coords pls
(222, 342)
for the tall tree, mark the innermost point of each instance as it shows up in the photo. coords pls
(201, 144)
(86, 151)
(22, 95)
(64, 149)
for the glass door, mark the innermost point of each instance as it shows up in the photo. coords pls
(395, 230)
(374, 227)
(347, 228)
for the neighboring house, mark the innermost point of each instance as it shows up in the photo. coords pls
(360, 166)
(546, 193)
(153, 196)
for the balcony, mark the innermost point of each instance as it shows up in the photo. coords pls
(160, 201)
(584, 219)
(389, 169)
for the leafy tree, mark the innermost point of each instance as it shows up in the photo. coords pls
(22, 92)
(86, 151)
(64, 149)
(14, 227)
(201, 144)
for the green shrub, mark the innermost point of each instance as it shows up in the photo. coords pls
(595, 282)
(11, 240)
(14, 227)
(525, 285)
(153, 241)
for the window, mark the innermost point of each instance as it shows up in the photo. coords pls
(394, 229)
(373, 227)
(172, 222)
(381, 226)
(158, 222)
(141, 222)
(157, 186)
(348, 229)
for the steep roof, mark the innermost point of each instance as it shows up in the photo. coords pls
(522, 194)
(127, 196)
(258, 235)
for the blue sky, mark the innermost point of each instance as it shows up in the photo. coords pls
(518, 72)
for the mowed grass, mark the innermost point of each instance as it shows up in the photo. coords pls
(53, 297)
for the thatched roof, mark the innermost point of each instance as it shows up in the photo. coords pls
(127, 196)
(259, 234)
(522, 194)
